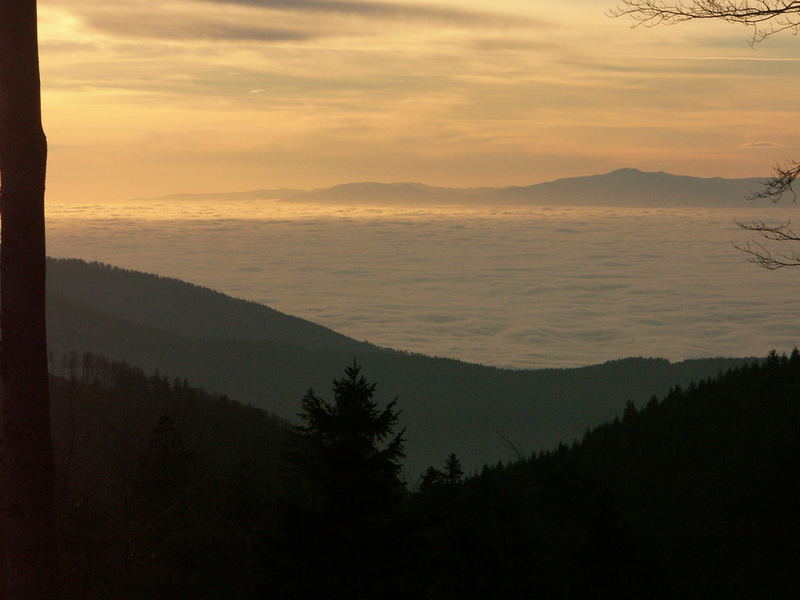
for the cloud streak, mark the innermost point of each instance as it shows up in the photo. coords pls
(382, 10)
(147, 24)
(762, 145)
(255, 20)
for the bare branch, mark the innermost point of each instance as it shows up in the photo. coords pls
(763, 256)
(511, 446)
(779, 184)
(765, 17)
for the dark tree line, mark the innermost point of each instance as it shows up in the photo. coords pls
(165, 491)
(691, 496)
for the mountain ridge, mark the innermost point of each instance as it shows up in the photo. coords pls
(621, 187)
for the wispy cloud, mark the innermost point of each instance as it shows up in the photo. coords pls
(383, 10)
(150, 24)
(268, 20)
(762, 145)
(503, 44)
(715, 58)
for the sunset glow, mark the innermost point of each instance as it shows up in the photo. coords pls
(144, 99)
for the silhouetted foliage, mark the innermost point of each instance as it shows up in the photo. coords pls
(164, 491)
(434, 479)
(706, 476)
(693, 496)
(348, 451)
(453, 473)
(168, 492)
(344, 466)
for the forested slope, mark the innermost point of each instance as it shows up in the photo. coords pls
(167, 491)
(163, 490)
(263, 357)
(693, 497)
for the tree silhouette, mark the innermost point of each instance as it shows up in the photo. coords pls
(348, 449)
(764, 256)
(453, 473)
(434, 479)
(340, 534)
(166, 522)
(764, 18)
(27, 460)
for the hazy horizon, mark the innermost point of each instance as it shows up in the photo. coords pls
(202, 194)
(143, 100)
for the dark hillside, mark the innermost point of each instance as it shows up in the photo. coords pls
(709, 475)
(161, 486)
(183, 308)
(695, 496)
(448, 406)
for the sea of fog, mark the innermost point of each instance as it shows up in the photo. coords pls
(519, 287)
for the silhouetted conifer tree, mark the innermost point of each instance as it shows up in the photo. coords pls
(343, 453)
(164, 516)
(432, 479)
(630, 411)
(345, 464)
(453, 473)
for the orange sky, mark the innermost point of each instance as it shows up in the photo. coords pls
(146, 98)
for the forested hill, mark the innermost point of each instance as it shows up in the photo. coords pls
(694, 497)
(163, 490)
(183, 308)
(167, 491)
(263, 357)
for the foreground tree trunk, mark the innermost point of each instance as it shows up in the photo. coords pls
(27, 522)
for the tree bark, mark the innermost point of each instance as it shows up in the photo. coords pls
(27, 455)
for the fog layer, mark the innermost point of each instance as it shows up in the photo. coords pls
(521, 287)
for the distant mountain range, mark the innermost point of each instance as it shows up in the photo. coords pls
(269, 359)
(624, 187)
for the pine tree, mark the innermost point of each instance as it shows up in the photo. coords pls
(432, 479)
(340, 528)
(163, 524)
(630, 411)
(453, 473)
(348, 451)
